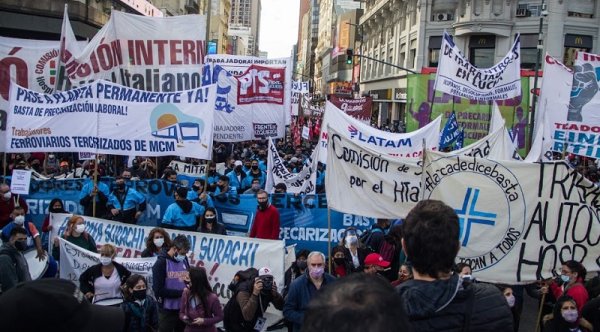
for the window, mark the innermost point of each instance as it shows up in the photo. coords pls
(435, 43)
(482, 51)
(574, 43)
(402, 59)
(412, 54)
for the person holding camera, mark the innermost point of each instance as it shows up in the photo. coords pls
(252, 302)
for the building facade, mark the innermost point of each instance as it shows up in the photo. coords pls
(218, 38)
(408, 34)
(244, 21)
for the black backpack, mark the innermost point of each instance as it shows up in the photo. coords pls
(233, 320)
(365, 237)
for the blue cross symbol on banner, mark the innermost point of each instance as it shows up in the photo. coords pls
(468, 215)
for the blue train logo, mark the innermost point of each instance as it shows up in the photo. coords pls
(167, 121)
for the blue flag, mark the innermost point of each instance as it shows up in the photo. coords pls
(460, 139)
(450, 132)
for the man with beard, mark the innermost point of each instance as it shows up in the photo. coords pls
(183, 214)
(125, 204)
(266, 220)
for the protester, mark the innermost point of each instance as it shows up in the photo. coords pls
(223, 188)
(55, 305)
(56, 206)
(591, 312)
(295, 270)
(376, 234)
(405, 273)
(266, 220)
(126, 204)
(212, 176)
(198, 195)
(168, 273)
(200, 309)
(356, 303)
(158, 239)
(280, 188)
(255, 173)
(464, 271)
(141, 310)
(303, 289)
(76, 234)
(436, 299)
(374, 264)
(511, 300)
(341, 266)
(209, 223)
(94, 191)
(252, 299)
(391, 251)
(236, 177)
(104, 280)
(354, 251)
(8, 202)
(570, 283)
(182, 214)
(34, 240)
(565, 317)
(13, 265)
(254, 187)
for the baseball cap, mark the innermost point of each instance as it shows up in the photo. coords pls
(264, 271)
(294, 160)
(238, 163)
(376, 259)
(58, 304)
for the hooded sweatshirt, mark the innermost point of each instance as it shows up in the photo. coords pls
(182, 214)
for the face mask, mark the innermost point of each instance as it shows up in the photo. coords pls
(180, 258)
(7, 195)
(210, 220)
(80, 228)
(256, 186)
(21, 245)
(351, 239)
(316, 273)
(255, 167)
(56, 210)
(570, 315)
(301, 265)
(564, 278)
(339, 261)
(120, 186)
(158, 242)
(510, 300)
(467, 277)
(211, 171)
(263, 205)
(105, 260)
(19, 220)
(139, 294)
(195, 188)
(238, 169)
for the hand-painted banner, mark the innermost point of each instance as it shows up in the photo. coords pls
(474, 116)
(359, 109)
(300, 86)
(222, 256)
(303, 182)
(147, 53)
(74, 260)
(457, 77)
(112, 119)
(187, 169)
(497, 145)
(254, 96)
(300, 90)
(404, 146)
(361, 180)
(518, 221)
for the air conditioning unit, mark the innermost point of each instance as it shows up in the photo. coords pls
(441, 17)
(523, 12)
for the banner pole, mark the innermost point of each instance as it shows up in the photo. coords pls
(329, 239)
(156, 167)
(4, 166)
(423, 170)
(539, 316)
(95, 191)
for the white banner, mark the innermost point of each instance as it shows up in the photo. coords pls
(221, 256)
(303, 182)
(362, 181)
(74, 260)
(497, 145)
(519, 221)
(409, 145)
(254, 96)
(188, 169)
(147, 53)
(113, 119)
(457, 77)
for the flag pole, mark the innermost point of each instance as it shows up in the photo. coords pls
(95, 188)
(424, 149)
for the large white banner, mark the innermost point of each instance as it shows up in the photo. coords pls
(147, 53)
(299, 90)
(254, 96)
(404, 146)
(221, 256)
(518, 221)
(497, 145)
(103, 117)
(303, 182)
(457, 77)
(187, 169)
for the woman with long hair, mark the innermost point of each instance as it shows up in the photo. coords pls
(141, 310)
(200, 309)
(565, 317)
(156, 241)
(209, 223)
(571, 283)
(76, 234)
(354, 251)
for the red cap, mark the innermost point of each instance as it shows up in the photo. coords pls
(376, 259)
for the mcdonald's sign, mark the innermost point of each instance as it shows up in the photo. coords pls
(482, 41)
(578, 41)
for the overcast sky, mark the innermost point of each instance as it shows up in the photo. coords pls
(279, 27)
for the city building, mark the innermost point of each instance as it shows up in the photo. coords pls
(409, 34)
(218, 30)
(244, 21)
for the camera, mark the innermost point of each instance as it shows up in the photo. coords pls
(267, 282)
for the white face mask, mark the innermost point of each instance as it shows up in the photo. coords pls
(159, 242)
(80, 228)
(19, 220)
(105, 260)
(510, 300)
(7, 195)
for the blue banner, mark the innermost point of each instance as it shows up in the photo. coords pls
(450, 132)
(303, 218)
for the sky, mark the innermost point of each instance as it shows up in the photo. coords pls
(279, 27)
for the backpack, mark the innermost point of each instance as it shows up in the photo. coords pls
(365, 237)
(387, 251)
(232, 313)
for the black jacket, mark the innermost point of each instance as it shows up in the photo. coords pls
(159, 274)
(450, 305)
(86, 279)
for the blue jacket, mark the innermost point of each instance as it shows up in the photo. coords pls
(298, 297)
(183, 214)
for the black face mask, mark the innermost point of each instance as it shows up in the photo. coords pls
(339, 261)
(120, 186)
(263, 205)
(211, 171)
(56, 210)
(302, 265)
(255, 167)
(21, 245)
(209, 220)
(139, 294)
(195, 188)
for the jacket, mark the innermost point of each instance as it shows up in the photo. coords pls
(298, 297)
(451, 305)
(140, 318)
(190, 309)
(87, 278)
(159, 276)
(246, 309)
(13, 267)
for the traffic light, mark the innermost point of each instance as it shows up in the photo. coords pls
(349, 56)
